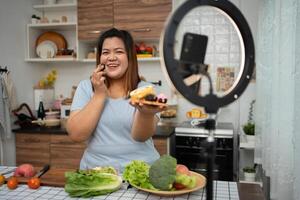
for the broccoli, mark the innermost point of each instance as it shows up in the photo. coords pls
(162, 172)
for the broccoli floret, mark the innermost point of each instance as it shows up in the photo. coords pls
(162, 172)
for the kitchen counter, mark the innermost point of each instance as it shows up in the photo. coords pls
(161, 131)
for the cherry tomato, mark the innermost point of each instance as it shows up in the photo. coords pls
(12, 183)
(2, 179)
(178, 186)
(34, 183)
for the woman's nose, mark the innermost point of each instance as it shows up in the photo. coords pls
(112, 56)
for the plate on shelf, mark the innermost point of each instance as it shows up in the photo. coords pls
(46, 49)
(201, 182)
(55, 37)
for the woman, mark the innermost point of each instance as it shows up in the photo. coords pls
(117, 132)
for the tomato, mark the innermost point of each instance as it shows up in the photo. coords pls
(12, 183)
(149, 50)
(34, 183)
(2, 179)
(178, 186)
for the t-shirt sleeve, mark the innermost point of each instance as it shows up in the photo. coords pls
(82, 95)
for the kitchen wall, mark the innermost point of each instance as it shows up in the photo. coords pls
(14, 15)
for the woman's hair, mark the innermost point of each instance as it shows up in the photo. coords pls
(131, 75)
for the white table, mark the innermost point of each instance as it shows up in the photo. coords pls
(223, 191)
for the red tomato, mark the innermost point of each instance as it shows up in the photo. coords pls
(182, 169)
(149, 50)
(12, 183)
(34, 183)
(178, 186)
(142, 47)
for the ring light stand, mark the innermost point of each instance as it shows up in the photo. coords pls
(191, 62)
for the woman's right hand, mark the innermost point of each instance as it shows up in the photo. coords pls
(98, 81)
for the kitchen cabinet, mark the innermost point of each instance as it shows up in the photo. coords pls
(32, 148)
(48, 148)
(64, 153)
(93, 17)
(143, 18)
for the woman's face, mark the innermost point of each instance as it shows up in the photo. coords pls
(114, 56)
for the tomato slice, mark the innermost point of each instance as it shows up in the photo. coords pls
(34, 183)
(12, 183)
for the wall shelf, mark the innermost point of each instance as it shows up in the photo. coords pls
(56, 7)
(51, 60)
(54, 26)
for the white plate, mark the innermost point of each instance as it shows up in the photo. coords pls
(46, 49)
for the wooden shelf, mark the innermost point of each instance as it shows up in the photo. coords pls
(57, 7)
(51, 60)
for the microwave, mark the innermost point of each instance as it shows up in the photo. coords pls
(65, 111)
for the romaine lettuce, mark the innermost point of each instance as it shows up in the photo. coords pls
(87, 183)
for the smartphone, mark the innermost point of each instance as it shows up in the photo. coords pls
(193, 48)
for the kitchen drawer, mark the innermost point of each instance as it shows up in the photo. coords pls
(32, 148)
(64, 153)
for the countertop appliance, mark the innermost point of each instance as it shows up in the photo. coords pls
(189, 149)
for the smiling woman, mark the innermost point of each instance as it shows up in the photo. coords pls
(118, 131)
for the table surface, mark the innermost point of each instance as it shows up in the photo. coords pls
(222, 190)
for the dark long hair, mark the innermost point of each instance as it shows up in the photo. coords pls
(132, 77)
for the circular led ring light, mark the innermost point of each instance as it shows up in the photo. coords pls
(211, 102)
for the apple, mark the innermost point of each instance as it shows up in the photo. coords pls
(182, 169)
(25, 170)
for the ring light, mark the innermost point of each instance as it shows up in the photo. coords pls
(211, 102)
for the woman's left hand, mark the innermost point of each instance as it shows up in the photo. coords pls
(149, 109)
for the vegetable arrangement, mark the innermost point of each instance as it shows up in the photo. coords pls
(94, 182)
(165, 174)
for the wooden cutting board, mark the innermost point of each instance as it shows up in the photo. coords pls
(55, 37)
(53, 177)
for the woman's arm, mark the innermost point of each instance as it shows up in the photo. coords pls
(145, 121)
(82, 123)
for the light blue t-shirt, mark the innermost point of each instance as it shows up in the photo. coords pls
(111, 143)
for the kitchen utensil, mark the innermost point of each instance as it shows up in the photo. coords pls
(24, 119)
(55, 37)
(43, 171)
(46, 49)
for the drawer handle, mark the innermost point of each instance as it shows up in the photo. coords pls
(94, 32)
(142, 30)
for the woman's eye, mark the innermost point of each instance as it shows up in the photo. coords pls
(104, 52)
